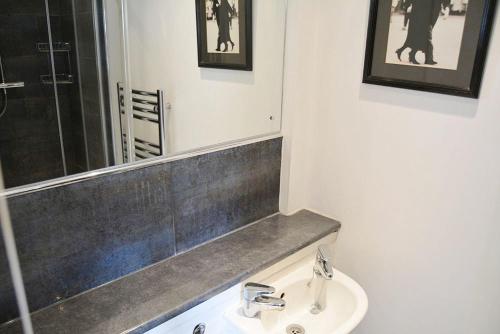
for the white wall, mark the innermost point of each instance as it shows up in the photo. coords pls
(209, 106)
(414, 177)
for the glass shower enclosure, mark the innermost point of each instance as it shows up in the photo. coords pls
(53, 119)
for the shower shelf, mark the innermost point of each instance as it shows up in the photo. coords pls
(7, 85)
(63, 49)
(56, 47)
(61, 79)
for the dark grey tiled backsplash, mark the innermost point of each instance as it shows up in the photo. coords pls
(224, 191)
(8, 306)
(79, 236)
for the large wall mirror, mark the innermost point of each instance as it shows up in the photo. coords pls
(90, 84)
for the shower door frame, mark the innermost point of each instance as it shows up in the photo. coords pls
(54, 84)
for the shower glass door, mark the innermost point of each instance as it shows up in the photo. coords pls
(51, 112)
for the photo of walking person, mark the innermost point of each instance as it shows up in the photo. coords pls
(222, 26)
(438, 46)
(422, 33)
(224, 33)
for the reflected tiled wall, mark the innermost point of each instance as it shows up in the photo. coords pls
(76, 237)
(63, 30)
(29, 137)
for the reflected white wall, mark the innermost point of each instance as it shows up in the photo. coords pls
(209, 106)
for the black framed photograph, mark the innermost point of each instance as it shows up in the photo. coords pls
(224, 34)
(430, 45)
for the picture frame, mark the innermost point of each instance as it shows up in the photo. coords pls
(224, 34)
(444, 54)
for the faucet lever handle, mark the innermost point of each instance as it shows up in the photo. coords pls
(324, 253)
(324, 262)
(253, 290)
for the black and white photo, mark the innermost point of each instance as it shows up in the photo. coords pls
(426, 33)
(433, 45)
(225, 33)
(222, 26)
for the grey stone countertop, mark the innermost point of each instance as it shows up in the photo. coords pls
(145, 299)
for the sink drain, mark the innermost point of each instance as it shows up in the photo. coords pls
(295, 329)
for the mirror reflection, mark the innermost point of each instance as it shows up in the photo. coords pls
(89, 84)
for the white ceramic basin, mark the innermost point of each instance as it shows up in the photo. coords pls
(347, 304)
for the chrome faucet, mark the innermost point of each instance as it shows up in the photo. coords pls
(322, 273)
(323, 266)
(256, 298)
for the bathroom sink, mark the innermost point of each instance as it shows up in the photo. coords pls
(346, 304)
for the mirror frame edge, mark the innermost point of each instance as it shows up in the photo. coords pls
(86, 176)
